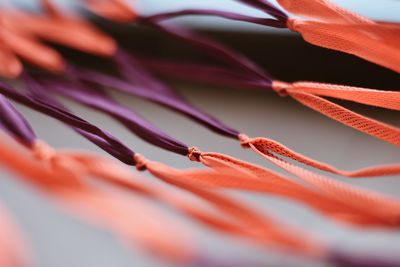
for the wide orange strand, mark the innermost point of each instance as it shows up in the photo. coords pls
(308, 93)
(133, 220)
(331, 26)
(62, 179)
(13, 248)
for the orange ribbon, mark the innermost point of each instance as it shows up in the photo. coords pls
(20, 35)
(64, 176)
(334, 27)
(308, 93)
(116, 10)
(13, 249)
(385, 210)
(133, 219)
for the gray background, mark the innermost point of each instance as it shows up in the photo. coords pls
(59, 240)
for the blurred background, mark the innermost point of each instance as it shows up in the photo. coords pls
(59, 240)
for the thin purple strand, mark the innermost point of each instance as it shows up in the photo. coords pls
(66, 117)
(266, 7)
(14, 123)
(95, 97)
(222, 14)
(120, 152)
(206, 74)
(151, 89)
(212, 47)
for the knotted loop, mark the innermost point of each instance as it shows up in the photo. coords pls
(141, 162)
(244, 140)
(291, 24)
(281, 87)
(42, 151)
(194, 154)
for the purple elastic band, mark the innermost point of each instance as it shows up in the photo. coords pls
(12, 121)
(223, 14)
(66, 117)
(266, 7)
(120, 151)
(149, 88)
(95, 97)
(212, 47)
(205, 74)
(346, 260)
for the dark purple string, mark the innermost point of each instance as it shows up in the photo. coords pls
(223, 14)
(66, 117)
(212, 47)
(162, 94)
(14, 123)
(266, 7)
(345, 260)
(95, 97)
(120, 152)
(206, 74)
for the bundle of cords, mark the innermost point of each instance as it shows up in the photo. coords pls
(64, 175)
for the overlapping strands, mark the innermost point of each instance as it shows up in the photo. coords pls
(324, 24)
(65, 175)
(70, 186)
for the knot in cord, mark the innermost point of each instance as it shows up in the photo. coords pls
(194, 154)
(291, 24)
(141, 162)
(244, 140)
(42, 151)
(281, 87)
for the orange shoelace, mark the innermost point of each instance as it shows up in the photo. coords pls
(13, 250)
(20, 34)
(308, 93)
(63, 179)
(331, 26)
(70, 167)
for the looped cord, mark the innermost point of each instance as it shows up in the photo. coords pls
(291, 24)
(194, 154)
(281, 87)
(244, 140)
(141, 162)
(42, 151)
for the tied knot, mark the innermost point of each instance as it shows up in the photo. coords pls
(281, 87)
(141, 162)
(194, 154)
(244, 140)
(291, 23)
(42, 151)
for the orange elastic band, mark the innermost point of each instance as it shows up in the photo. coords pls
(307, 94)
(334, 27)
(13, 248)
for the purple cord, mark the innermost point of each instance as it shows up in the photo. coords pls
(60, 114)
(13, 122)
(95, 97)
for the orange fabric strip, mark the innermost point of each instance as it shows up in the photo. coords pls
(133, 220)
(22, 45)
(376, 205)
(270, 146)
(116, 10)
(252, 225)
(300, 92)
(13, 249)
(10, 66)
(334, 27)
(63, 178)
(372, 97)
(236, 174)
